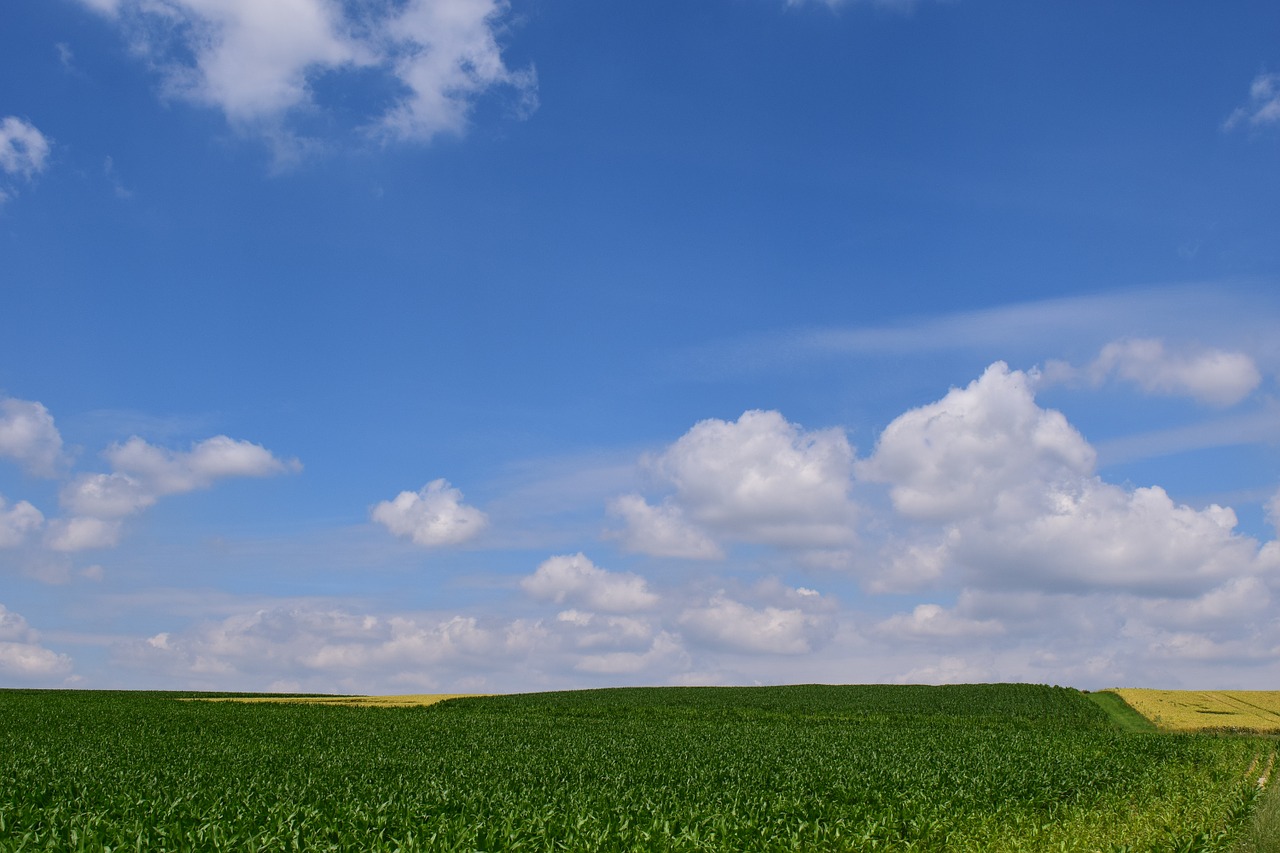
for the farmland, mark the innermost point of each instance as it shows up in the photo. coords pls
(1197, 710)
(982, 767)
(409, 700)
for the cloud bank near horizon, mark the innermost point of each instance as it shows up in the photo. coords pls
(983, 505)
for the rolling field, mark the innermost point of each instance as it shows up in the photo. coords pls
(969, 768)
(1197, 710)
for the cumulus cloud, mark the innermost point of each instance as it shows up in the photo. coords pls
(981, 450)
(729, 625)
(1212, 376)
(17, 521)
(23, 148)
(29, 437)
(107, 496)
(144, 473)
(317, 647)
(932, 622)
(661, 531)
(1012, 489)
(1237, 602)
(260, 63)
(664, 654)
(168, 472)
(596, 631)
(82, 533)
(1101, 536)
(1263, 107)
(336, 645)
(575, 579)
(432, 517)
(22, 656)
(759, 479)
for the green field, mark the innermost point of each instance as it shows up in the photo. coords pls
(981, 768)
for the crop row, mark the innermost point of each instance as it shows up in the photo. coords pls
(984, 767)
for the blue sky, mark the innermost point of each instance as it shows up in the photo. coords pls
(435, 345)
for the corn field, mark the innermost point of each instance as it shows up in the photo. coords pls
(813, 768)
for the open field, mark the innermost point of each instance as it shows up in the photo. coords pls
(815, 768)
(1198, 710)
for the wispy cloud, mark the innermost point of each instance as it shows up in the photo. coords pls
(259, 63)
(1258, 427)
(1213, 376)
(1213, 312)
(23, 148)
(1263, 107)
(24, 152)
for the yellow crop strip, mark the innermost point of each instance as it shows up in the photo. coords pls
(1198, 710)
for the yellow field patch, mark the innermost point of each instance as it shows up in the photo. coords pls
(1195, 710)
(405, 701)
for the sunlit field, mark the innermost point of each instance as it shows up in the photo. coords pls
(984, 767)
(1197, 710)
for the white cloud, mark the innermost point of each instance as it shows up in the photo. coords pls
(431, 517)
(18, 521)
(661, 531)
(106, 495)
(28, 660)
(28, 436)
(145, 473)
(985, 449)
(593, 631)
(1238, 602)
(23, 148)
(1099, 536)
(947, 670)
(13, 626)
(448, 55)
(168, 472)
(1012, 487)
(259, 62)
(1212, 376)
(1264, 104)
(317, 647)
(932, 622)
(663, 655)
(82, 533)
(730, 625)
(760, 479)
(575, 579)
(22, 656)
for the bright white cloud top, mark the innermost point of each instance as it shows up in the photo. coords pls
(433, 516)
(758, 342)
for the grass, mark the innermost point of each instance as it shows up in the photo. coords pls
(1263, 833)
(1120, 712)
